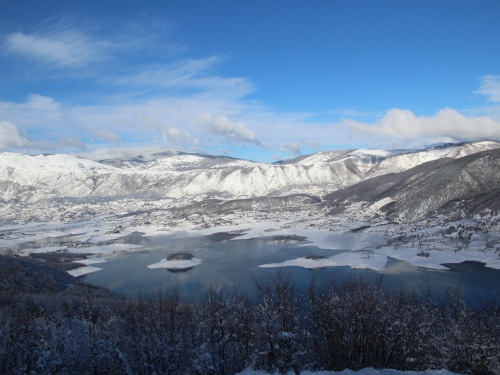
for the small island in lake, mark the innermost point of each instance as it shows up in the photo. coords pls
(177, 262)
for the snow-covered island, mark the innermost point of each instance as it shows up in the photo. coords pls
(177, 261)
(377, 259)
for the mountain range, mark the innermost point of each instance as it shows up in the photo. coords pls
(410, 183)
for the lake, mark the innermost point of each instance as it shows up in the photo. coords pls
(234, 264)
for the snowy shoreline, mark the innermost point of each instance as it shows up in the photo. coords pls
(377, 260)
(425, 244)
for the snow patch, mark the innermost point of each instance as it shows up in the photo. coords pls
(436, 258)
(106, 249)
(381, 203)
(176, 264)
(77, 272)
(354, 259)
(378, 153)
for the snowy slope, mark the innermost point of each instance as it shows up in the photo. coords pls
(429, 187)
(173, 161)
(30, 179)
(465, 178)
(405, 161)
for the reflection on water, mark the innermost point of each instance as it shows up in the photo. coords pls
(179, 270)
(234, 265)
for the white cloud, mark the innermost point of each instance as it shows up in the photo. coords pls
(153, 93)
(88, 48)
(172, 134)
(292, 147)
(151, 122)
(403, 124)
(33, 106)
(178, 136)
(39, 113)
(64, 48)
(42, 103)
(106, 135)
(230, 130)
(70, 143)
(295, 148)
(190, 122)
(67, 45)
(312, 144)
(156, 103)
(12, 136)
(186, 74)
(176, 73)
(177, 120)
(490, 87)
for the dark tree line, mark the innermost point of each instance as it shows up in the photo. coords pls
(334, 325)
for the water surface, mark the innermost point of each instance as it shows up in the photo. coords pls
(234, 265)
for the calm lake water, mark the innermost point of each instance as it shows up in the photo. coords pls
(234, 264)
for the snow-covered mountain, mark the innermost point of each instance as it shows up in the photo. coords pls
(472, 181)
(29, 179)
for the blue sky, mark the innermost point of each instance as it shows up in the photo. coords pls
(263, 80)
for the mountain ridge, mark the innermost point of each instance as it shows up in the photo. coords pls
(428, 187)
(29, 179)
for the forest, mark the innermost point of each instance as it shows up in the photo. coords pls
(333, 325)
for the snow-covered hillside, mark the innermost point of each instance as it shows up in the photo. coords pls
(404, 161)
(177, 175)
(429, 188)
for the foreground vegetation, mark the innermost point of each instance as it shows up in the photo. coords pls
(336, 324)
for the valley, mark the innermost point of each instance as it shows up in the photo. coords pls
(111, 253)
(429, 208)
